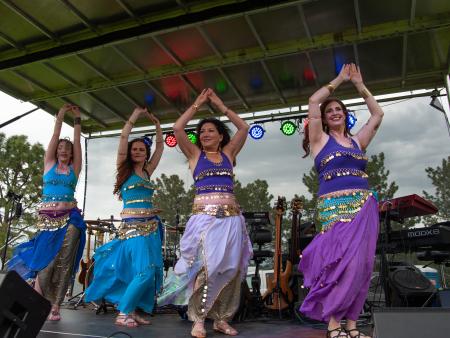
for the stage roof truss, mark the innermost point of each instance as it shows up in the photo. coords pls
(109, 56)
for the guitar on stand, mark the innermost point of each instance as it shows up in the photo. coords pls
(276, 297)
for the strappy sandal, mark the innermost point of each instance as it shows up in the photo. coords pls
(198, 333)
(358, 335)
(341, 333)
(54, 316)
(125, 320)
(228, 330)
(139, 319)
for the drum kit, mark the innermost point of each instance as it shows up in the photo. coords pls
(96, 231)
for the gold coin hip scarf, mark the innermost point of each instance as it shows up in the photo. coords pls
(340, 207)
(52, 220)
(134, 228)
(216, 210)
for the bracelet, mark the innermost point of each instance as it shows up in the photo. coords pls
(331, 87)
(195, 106)
(226, 111)
(365, 93)
(131, 123)
(77, 120)
(159, 141)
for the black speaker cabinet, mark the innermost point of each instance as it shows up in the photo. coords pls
(411, 323)
(23, 311)
(409, 287)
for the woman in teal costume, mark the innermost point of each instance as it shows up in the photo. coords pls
(128, 271)
(52, 257)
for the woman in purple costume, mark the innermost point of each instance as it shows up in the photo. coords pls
(338, 263)
(215, 248)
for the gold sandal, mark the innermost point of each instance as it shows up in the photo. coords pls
(228, 330)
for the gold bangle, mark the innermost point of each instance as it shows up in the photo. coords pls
(331, 87)
(196, 106)
(131, 123)
(365, 93)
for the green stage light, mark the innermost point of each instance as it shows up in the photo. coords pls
(288, 128)
(192, 136)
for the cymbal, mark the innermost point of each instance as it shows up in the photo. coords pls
(99, 228)
(96, 222)
(180, 229)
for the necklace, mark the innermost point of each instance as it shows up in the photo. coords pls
(211, 152)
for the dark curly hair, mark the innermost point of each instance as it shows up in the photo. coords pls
(221, 128)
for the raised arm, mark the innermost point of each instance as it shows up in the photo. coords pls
(317, 137)
(77, 157)
(368, 131)
(50, 153)
(159, 148)
(237, 141)
(123, 143)
(187, 147)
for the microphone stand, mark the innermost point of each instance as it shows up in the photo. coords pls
(17, 207)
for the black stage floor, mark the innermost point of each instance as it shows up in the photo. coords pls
(85, 323)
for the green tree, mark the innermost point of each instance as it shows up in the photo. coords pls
(21, 169)
(172, 198)
(440, 178)
(254, 196)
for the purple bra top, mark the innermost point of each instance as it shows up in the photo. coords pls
(340, 167)
(213, 177)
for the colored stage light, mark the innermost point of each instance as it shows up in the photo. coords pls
(171, 140)
(221, 86)
(192, 136)
(149, 99)
(256, 83)
(256, 132)
(351, 120)
(288, 128)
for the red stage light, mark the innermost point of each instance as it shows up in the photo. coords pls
(171, 140)
(308, 74)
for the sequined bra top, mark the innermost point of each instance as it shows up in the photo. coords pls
(137, 192)
(213, 177)
(340, 167)
(59, 187)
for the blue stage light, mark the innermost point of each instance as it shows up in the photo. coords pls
(351, 120)
(256, 132)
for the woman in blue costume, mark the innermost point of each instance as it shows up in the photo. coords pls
(338, 263)
(128, 270)
(53, 255)
(215, 248)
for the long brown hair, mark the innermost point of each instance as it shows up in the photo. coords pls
(305, 144)
(126, 168)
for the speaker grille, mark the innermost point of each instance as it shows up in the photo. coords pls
(410, 279)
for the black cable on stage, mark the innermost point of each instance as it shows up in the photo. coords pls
(120, 332)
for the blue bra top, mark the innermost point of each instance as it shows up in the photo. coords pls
(59, 187)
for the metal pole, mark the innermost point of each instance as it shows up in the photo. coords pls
(86, 139)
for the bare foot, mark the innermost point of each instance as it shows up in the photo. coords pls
(54, 315)
(198, 330)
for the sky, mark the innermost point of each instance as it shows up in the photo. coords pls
(413, 136)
